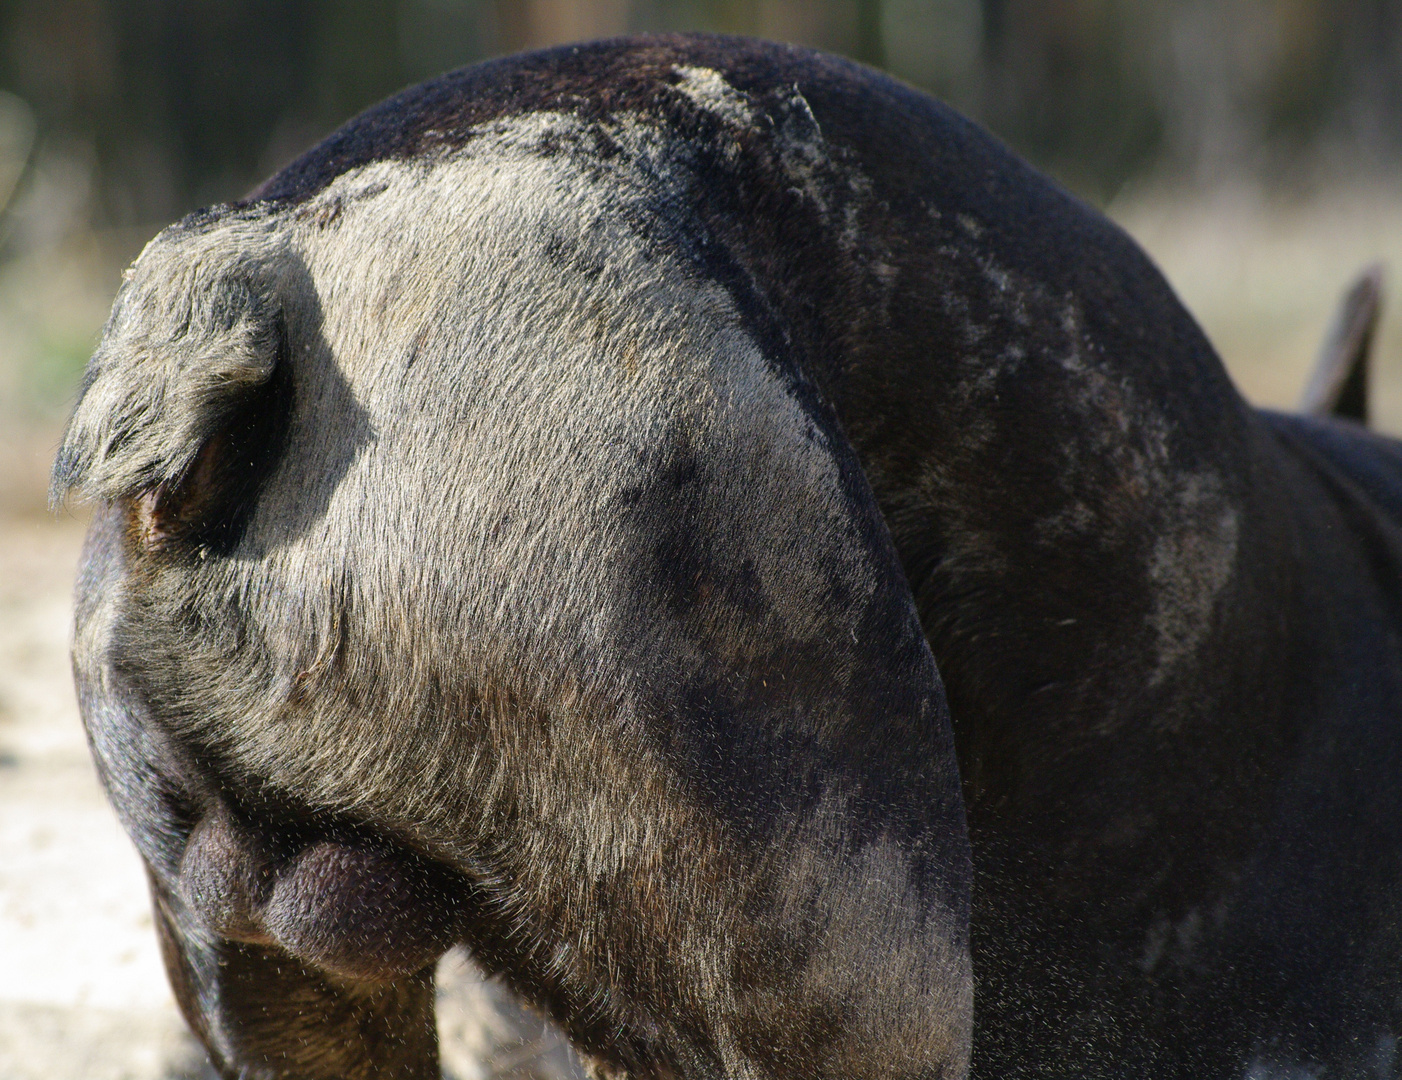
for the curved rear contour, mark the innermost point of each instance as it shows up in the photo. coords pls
(476, 565)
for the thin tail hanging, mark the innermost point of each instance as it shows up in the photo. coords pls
(1339, 383)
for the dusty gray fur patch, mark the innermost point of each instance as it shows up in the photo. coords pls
(836, 189)
(1198, 524)
(709, 90)
(860, 912)
(425, 525)
(1189, 568)
(1195, 553)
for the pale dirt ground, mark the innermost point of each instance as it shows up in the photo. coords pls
(82, 995)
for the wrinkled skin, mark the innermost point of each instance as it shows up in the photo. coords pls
(621, 508)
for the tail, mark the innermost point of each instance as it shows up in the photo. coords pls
(1339, 384)
(185, 401)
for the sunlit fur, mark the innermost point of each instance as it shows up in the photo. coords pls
(622, 508)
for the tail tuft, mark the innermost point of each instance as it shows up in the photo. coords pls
(181, 393)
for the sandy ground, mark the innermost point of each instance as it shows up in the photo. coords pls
(82, 995)
(81, 989)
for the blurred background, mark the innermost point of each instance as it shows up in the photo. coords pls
(1254, 147)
